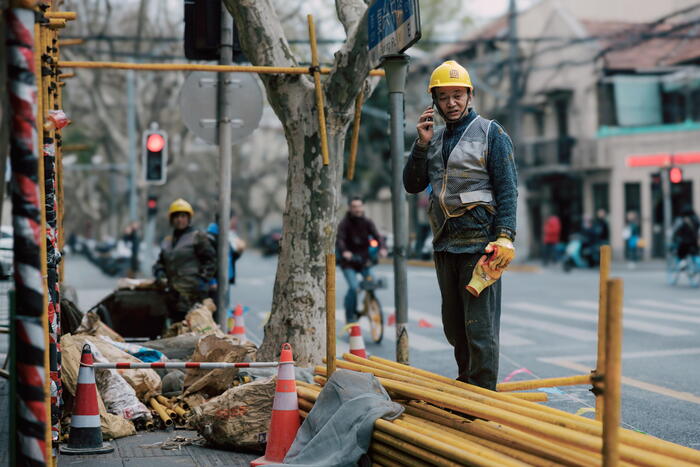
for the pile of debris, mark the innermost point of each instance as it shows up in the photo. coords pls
(166, 398)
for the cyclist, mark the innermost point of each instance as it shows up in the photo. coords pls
(355, 235)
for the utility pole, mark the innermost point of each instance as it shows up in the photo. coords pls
(225, 156)
(396, 67)
(514, 71)
(668, 207)
(131, 131)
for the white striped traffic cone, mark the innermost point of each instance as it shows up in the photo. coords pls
(239, 324)
(285, 412)
(357, 343)
(85, 432)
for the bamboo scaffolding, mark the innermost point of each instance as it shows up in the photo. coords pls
(613, 372)
(604, 274)
(65, 15)
(355, 134)
(543, 383)
(630, 437)
(506, 436)
(65, 42)
(274, 70)
(530, 396)
(330, 312)
(381, 451)
(320, 105)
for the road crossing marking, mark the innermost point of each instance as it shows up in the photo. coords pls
(627, 355)
(507, 339)
(638, 312)
(566, 331)
(684, 396)
(691, 301)
(637, 325)
(668, 306)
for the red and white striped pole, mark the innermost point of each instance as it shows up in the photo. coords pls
(199, 365)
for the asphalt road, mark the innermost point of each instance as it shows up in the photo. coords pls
(548, 329)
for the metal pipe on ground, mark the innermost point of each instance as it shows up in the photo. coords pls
(380, 452)
(633, 438)
(160, 410)
(543, 383)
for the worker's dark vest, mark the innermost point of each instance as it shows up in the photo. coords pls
(181, 263)
(466, 182)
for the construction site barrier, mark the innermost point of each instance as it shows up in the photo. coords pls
(200, 365)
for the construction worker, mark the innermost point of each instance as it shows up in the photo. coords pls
(469, 170)
(187, 261)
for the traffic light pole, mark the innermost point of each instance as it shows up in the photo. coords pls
(666, 190)
(225, 156)
(131, 130)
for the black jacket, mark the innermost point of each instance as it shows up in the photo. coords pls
(353, 236)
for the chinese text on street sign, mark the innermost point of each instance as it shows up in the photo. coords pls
(393, 26)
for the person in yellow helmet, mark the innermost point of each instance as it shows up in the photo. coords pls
(468, 168)
(187, 261)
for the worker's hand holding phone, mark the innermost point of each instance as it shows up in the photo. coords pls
(425, 126)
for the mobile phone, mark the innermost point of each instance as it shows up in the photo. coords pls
(430, 119)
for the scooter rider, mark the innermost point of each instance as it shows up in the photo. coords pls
(187, 261)
(470, 169)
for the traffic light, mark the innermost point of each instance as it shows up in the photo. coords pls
(675, 174)
(155, 155)
(203, 31)
(152, 205)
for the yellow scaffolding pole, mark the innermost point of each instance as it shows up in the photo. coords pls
(320, 105)
(274, 70)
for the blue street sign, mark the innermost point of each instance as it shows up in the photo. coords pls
(393, 26)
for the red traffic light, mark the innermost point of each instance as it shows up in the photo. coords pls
(675, 174)
(152, 204)
(155, 142)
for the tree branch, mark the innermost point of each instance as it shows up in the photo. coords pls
(264, 43)
(350, 67)
(350, 13)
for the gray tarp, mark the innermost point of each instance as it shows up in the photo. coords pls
(339, 428)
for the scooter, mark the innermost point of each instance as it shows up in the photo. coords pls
(577, 255)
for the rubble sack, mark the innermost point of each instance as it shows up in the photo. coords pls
(238, 418)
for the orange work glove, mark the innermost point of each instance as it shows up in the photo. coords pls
(484, 275)
(503, 253)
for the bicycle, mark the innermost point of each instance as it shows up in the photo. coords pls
(690, 266)
(371, 307)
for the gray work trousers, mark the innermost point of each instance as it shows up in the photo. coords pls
(471, 324)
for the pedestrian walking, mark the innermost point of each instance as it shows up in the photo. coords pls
(551, 235)
(630, 234)
(470, 167)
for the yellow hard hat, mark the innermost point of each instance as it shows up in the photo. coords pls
(180, 205)
(450, 73)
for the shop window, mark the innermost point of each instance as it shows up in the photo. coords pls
(600, 197)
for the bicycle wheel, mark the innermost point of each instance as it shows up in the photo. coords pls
(376, 317)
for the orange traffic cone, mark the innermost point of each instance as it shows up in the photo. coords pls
(285, 412)
(357, 343)
(85, 432)
(239, 323)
